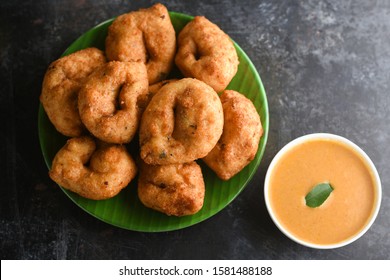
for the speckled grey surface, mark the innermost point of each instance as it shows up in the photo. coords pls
(325, 66)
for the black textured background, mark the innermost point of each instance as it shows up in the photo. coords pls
(325, 66)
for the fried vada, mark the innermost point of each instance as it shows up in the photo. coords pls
(207, 53)
(109, 101)
(173, 189)
(182, 123)
(61, 85)
(147, 36)
(153, 89)
(94, 171)
(239, 142)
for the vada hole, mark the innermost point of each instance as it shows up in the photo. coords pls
(147, 52)
(176, 119)
(117, 100)
(197, 55)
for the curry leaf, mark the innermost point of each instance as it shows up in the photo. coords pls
(318, 195)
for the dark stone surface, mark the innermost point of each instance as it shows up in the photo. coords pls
(325, 66)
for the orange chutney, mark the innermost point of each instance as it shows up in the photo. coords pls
(347, 209)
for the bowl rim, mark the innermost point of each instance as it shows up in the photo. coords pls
(359, 151)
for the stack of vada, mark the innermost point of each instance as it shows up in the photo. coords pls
(103, 100)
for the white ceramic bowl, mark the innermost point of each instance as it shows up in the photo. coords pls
(370, 165)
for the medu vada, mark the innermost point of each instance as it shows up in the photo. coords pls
(173, 189)
(109, 100)
(182, 123)
(239, 142)
(61, 85)
(147, 36)
(93, 170)
(207, 53)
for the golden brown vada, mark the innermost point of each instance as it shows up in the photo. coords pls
(109, 100)
(92, 171)
(207, 53)
(147, 36)
(153, 89)
(182, 123)
(61, 85)
(239, 142)
(173, 189)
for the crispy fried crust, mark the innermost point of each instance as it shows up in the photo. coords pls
(240, 139)
(205, 52)
(145, 36)
(182, 123)
(173, 189)
(153, 89)
(110, 168)
(61, 86)
(109, 100)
